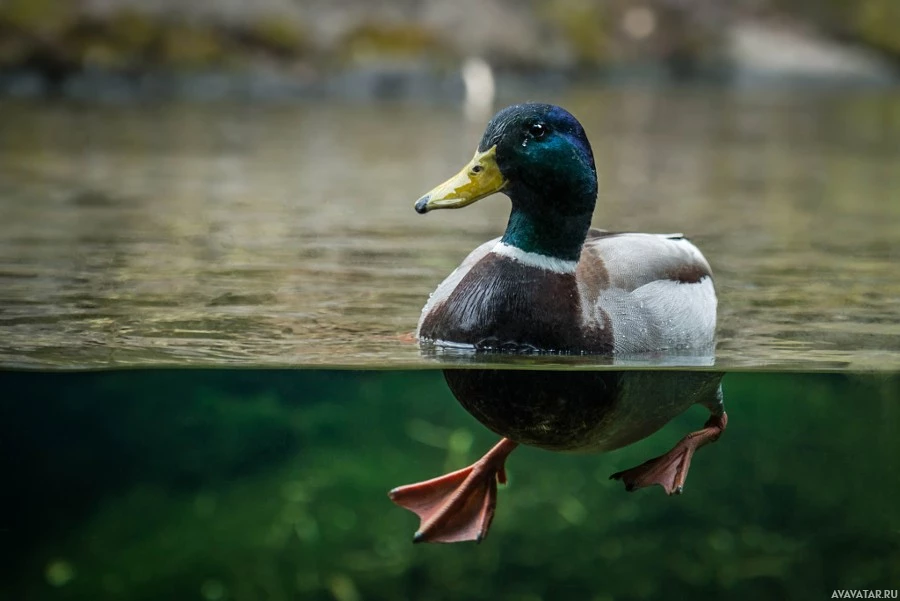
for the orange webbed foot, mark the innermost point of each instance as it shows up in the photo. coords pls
(458, 506)
(670, 470)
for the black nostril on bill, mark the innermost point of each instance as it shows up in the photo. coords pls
(422, 205)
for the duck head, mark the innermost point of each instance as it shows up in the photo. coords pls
(539, 156)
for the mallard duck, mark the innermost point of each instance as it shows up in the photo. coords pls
(553, 284)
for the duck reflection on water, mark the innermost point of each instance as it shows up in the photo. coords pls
(553, 284)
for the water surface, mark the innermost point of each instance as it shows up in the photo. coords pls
(234, 235)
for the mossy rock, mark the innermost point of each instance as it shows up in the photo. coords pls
(127, 39)
(584, 25)
(13, 49)
(87, 43)
(372, 42)
(38, 16)
(191, 46)
(279, 35)
(878, 23)
(101, 54)
(132, 31)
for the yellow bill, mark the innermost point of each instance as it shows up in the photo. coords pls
(480, 178)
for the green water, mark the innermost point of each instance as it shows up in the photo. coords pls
(257, 484)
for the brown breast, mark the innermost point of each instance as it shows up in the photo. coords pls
(502, 303)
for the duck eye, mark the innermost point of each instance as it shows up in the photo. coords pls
(537, 130)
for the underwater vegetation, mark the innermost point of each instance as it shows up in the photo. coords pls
(261, 484)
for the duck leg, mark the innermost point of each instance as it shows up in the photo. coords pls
(670, 470)
(459, 506)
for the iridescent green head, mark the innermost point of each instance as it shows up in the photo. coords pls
(539, 156)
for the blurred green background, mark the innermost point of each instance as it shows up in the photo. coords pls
(291, 47)
(272, 485)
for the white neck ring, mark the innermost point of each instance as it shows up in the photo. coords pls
(537, 260)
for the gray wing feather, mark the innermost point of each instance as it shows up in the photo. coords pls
(660, 294)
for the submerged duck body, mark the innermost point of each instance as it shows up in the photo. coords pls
(580, 411)
(553, 284)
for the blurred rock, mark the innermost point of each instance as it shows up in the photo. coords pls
(317, 44)
(766, 51)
